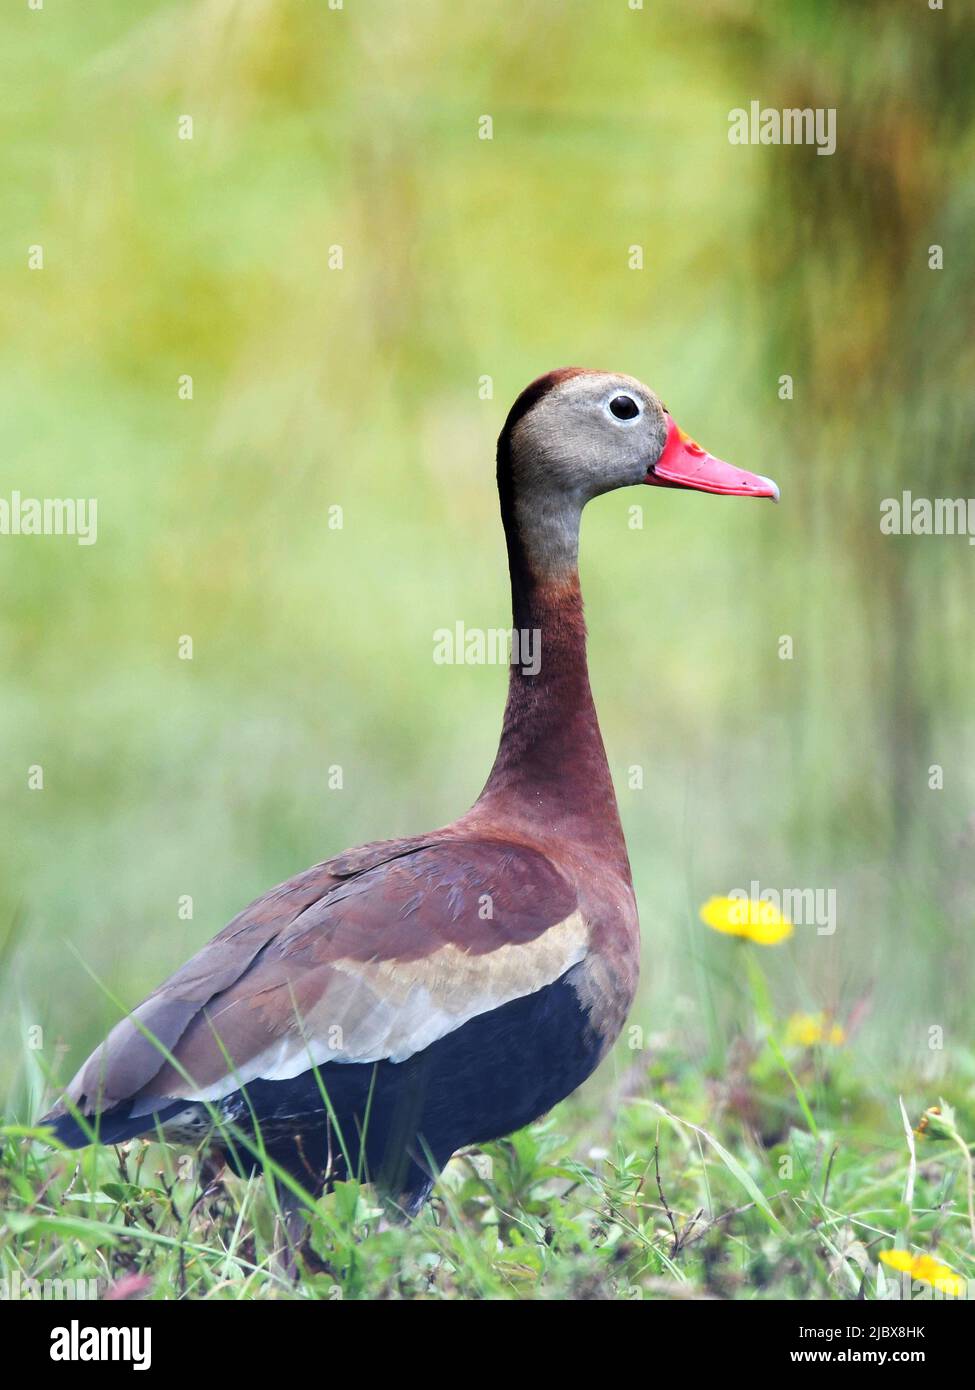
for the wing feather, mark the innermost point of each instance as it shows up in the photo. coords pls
(373, 955)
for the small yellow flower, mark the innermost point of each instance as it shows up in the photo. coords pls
(927, 1270)
(806, 1030)
(750, 918)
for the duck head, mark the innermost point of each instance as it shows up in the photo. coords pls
(585, 433)
(575, 434)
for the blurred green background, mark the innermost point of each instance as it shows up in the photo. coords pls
(359, 388)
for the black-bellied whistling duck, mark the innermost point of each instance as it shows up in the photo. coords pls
(445, 989)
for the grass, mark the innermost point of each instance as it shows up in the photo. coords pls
(782, 1175)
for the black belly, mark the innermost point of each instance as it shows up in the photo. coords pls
(491, 1076)
(496, 1073)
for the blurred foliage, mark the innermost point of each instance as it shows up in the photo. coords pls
(359, 388)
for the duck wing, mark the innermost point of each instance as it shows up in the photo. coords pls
(371, 956)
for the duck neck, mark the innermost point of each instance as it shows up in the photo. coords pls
(551, 773)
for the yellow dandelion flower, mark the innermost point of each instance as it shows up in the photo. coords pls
(806, 1030)
(750, 918)
(927, 1270)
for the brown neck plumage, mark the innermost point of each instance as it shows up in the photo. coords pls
(550, 773)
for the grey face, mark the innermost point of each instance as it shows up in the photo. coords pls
(590, 434)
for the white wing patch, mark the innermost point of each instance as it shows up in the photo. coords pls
(368, 1011)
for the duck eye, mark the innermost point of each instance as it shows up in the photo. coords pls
(624, 407)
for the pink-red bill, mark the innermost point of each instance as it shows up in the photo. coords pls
(685, 464)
